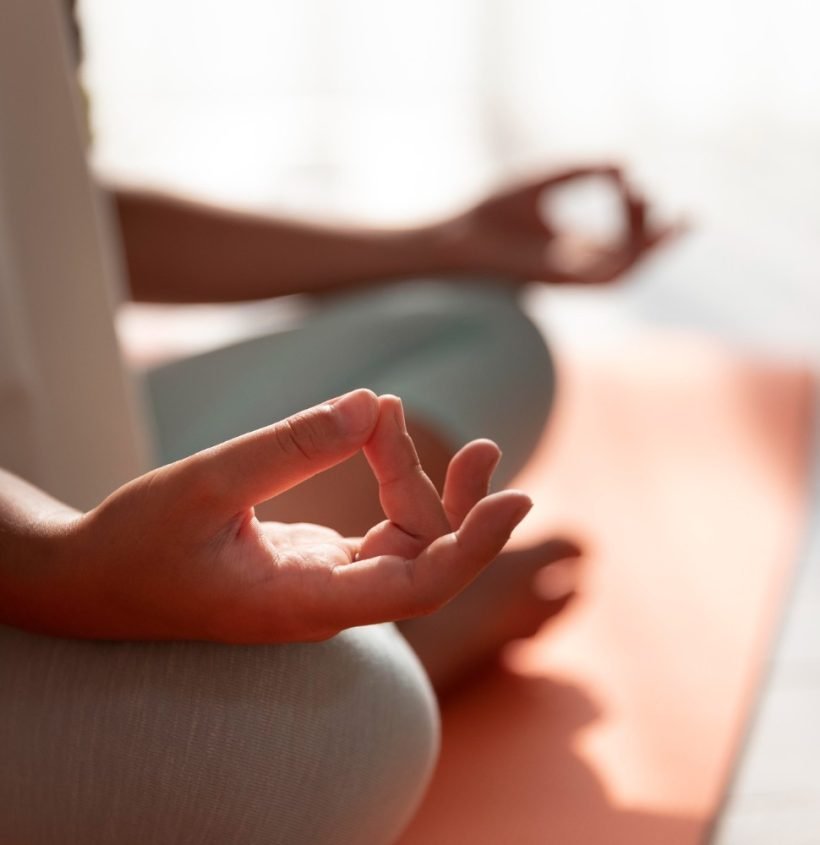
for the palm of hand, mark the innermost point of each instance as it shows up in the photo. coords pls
(264, 562)
(507, 233)
(195, 563)
(307, 563)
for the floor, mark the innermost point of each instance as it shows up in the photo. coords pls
(748, 274)
(776, 794)
(767, 308)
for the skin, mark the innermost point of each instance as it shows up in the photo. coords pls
(179, 553)
(182, 251)
(177, 250)
(512, 599)
(524, 589)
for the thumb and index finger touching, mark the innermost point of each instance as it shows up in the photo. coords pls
(426, 550)
(633, 203)
(259, 465)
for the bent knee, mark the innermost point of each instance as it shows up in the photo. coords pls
(202, 744)
(375, 730)
(483, 368)
(488, 319)
(330, 742)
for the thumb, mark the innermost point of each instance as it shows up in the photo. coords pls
(242, 472)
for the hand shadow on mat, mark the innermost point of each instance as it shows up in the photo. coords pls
(509, 772)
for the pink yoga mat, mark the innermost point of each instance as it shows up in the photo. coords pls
(682, 467)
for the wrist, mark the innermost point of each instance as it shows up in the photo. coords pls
(448, 245)
(460, 251)
(38, 556)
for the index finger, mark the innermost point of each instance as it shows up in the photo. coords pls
(408, 498)
(256, 466)
(531, 190)
(570, 174)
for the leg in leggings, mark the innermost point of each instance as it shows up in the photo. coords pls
(203, 744)
(181, 743)
(463, 357)
(466, 361)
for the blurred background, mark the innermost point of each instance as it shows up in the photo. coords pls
(394, 112)
(390, 112)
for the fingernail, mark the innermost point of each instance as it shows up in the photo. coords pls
(356, 411)
(397, 410)
(493, 465)
(520, 512)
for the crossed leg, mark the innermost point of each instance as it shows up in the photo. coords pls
(466, 362)
(191, 743)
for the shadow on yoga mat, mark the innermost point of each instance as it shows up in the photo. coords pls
(682, 467)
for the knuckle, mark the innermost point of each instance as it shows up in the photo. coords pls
(403, 474)
(305, 435)
(410, 577)
(423, 598)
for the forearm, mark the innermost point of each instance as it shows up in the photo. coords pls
(182, 251)
(34, 531)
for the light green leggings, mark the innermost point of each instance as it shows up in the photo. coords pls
(462, 356)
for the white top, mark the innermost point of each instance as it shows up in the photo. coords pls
(69, 420)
